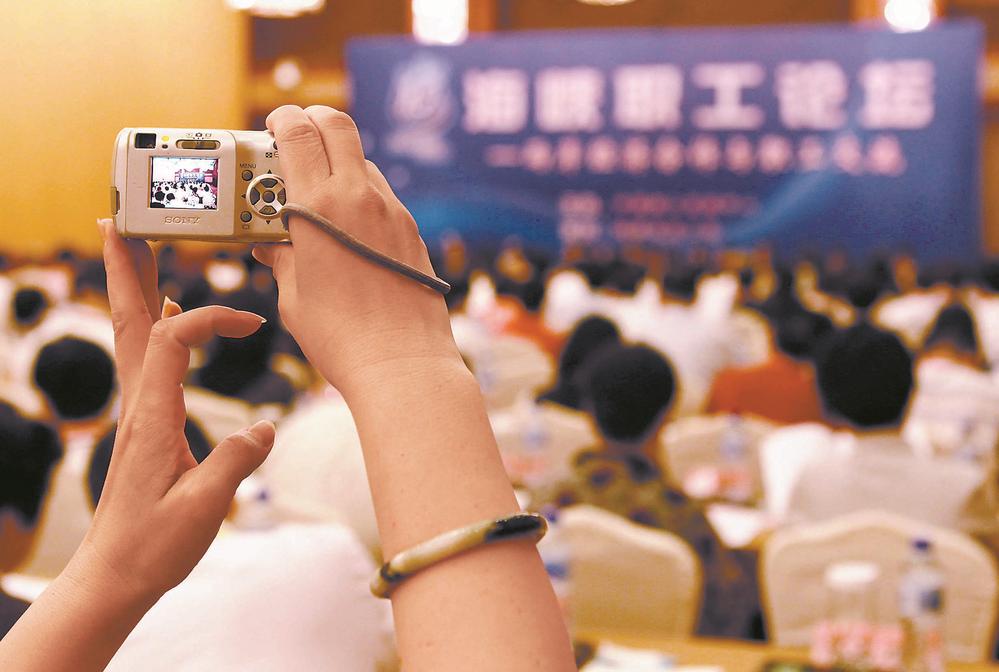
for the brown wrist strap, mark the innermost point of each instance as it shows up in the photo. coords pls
(357, 246)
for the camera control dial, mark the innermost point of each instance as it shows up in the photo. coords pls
(266, 195)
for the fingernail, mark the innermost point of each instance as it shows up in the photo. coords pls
(102, 228)
(263, 320)
(170, 308)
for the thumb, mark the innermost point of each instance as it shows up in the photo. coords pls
(236, 457)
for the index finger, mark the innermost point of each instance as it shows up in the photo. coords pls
(300, 148)
(169, 354)
(130, 311)
(341, 141)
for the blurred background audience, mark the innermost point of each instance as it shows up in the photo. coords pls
(717, 403)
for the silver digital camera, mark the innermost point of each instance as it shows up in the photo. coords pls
(197, 184)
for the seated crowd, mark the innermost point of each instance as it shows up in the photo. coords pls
(840, 386)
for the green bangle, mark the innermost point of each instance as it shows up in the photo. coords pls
(405, 564)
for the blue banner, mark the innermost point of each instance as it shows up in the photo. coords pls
(808, 137)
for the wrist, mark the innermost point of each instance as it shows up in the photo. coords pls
(90, 577)
(423, 372)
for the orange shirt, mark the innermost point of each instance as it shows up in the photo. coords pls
(517, 321)
(781, 389)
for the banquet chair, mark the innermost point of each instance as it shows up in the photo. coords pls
(563, 432)
(794, 560)
(630, 578)
(315, 472)
(696, 441)
(504, 365)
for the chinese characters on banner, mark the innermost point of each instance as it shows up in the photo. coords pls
(805, 137)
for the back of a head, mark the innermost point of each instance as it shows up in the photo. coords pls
(680, 282)
(28, 452)
(625, 277)
(232, 363)
(955, 327)
(865, 376)
(629, 390)
(76, 376)
(29, 306)
(798, 334)
(590, 335)
(863, 290)
(989, 274)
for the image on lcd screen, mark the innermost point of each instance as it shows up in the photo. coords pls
(184, 182)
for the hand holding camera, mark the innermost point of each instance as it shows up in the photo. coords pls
(357, 322)
(350, 317)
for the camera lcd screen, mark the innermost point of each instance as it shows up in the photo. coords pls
(182, 182)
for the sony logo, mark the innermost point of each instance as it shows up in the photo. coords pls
(181, 220)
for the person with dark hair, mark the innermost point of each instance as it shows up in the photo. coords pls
(91, 279)
(955, 408)
(865, 377)
(76, 376)
(29, 450)
(781, 389)
(29, 306)
(954, 332)
(865, 380)
(783, 299)
(589, 337)
(983, 302)
(241, 367)
(680, 281)
(629, 392)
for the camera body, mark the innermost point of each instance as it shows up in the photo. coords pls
(197, 184)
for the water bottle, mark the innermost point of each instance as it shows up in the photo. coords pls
(921, 599)
(967, 450)
(737, 484)
(535, 438)
(555, 553)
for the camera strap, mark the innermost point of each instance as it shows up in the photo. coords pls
(359, 247)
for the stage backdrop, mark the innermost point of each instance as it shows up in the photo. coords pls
(809, 137)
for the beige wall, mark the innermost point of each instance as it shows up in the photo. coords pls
(73, 72)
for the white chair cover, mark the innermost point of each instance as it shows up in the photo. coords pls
(316, 470)
(696, 441)
(794, 561)
(630, 578)
(557, 432)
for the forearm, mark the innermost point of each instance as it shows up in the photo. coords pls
(76, 625)
(433, 466)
